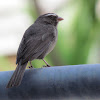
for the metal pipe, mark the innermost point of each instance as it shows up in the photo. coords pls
(59, 82)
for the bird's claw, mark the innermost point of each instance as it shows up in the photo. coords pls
(44, 66)
(30, 67)
(48, 65)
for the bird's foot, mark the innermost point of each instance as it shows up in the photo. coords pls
(46, 63)
(48, 66)
(44, 66)
(30, 67)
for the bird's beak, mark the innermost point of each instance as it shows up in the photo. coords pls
(60, 19)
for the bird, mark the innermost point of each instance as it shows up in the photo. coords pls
(38, 41)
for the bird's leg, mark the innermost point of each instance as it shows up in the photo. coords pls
(46, 63)
(30, 65)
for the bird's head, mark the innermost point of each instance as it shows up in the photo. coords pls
(49, 18)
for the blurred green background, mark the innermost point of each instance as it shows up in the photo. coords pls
(78, 34)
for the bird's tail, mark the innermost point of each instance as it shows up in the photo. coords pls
(17, 76)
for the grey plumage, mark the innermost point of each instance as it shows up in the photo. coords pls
(38, 40)
(17, 76)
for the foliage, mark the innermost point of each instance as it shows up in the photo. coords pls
(77, 33)
(74, 44)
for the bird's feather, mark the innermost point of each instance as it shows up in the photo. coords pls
(17, 76)
(32, 44)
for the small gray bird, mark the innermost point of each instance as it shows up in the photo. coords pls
(38, 40)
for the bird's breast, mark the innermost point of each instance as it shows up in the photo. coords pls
(53, 42)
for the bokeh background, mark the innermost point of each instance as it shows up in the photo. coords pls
(79, 32)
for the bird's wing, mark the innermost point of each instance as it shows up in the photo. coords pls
(33, 46)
